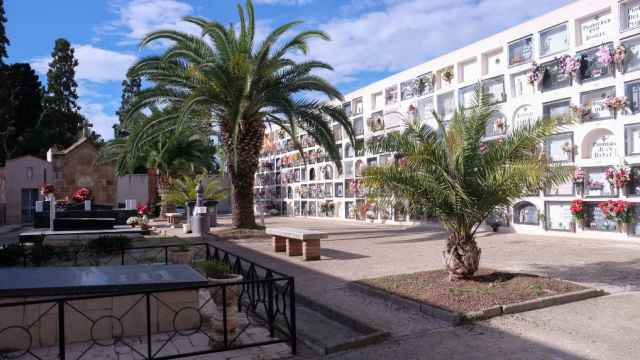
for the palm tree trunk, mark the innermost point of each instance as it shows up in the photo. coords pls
(242, 171)
(165, 208)
(462, 256)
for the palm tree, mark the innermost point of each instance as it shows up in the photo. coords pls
(242, 86)
(182, 190)
(459, 177)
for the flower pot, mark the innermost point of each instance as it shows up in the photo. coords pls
(229, 302)
(180, 257)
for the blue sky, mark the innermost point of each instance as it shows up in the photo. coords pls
(371, 39)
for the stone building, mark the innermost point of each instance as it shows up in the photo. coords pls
(20, 182)
(77, 167)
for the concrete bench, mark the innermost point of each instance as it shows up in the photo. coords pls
(174, 219)
(296, 242)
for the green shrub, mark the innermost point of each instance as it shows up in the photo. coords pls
(11, 255)
(214, 268)
(109, 244)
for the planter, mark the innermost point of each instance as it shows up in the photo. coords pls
(180, 257)
(186, 228)
(228, 301)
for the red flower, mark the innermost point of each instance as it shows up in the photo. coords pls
(82, 194)
(143, 209)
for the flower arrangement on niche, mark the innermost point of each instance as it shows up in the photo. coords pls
(579, 176)
(82, 195)
(447, 74)
(375, 123)
(618, 177)
(619, 211)
(604, 56)
(569, 65)
(535, 74)
(619, 55)
(616, 103)
(578, 211)
(582, 113)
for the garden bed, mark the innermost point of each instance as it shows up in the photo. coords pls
(489, 293)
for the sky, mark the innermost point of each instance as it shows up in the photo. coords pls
(370, 39)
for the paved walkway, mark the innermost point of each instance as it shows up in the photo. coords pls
(604, 328)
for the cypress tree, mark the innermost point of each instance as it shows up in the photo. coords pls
(61, 83)
(130, 87)
(4, 41)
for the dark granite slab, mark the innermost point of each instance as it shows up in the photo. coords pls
(79, 280)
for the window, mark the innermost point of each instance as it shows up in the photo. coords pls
(446, 106)
(357, 106)
(391, 95)
(632, 55)
(525, 213)
(348, 151)
(554, 40)
(594, 101)
(494, 88)
(358, 126)
(559, 109)
(521, 51)
(632, 139)
(496, 125)
(560, 148)
(597, 220)
(337, 132)
(426, 108)
(565, 189)
(466, 96)
(633, 187)
(632, 92)
(492, 62)
(590, 66)
(348, 169)
(469, 71)
(347, 108)
(520, 86)
(594, 29)
(553, 77)
(597, 184)
(558, 216)
(629, 14)
(408, 89)
(339, 186)
(425, 84)
(377, 101)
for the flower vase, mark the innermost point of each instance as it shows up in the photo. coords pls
(579, 188)
(623, 228)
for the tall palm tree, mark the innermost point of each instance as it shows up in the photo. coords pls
(242, 86)
(460, 178)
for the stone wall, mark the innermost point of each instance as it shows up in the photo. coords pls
(27, 172)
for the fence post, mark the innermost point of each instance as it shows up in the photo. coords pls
(292, 315)
(149, 355)
(224, 316)
(166, 255)
(270, 316)
(61, 339)
(208, 252)
(122, 256)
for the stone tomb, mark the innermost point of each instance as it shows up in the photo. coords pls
(101, 319)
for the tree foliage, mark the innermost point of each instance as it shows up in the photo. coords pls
(130, 87)
(20, 109)
(460, 177)
(183, 189)
(4, 40)
(241, 85)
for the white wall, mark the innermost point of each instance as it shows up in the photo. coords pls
(133, 187)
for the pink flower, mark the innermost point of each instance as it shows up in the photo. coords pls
(604, 55)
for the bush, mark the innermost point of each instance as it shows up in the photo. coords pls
(214, 268)
(109, 244)
(11, 255)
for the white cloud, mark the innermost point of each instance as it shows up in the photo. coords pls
(101, 119)
(404, 33)
(283, 2)
(94, 64)
(140, 17)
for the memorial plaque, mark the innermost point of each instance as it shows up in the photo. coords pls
(559, 216)
(632, 56)
(521, 51)
(604, 148)
(590, 67)
(558, 146)
(520, 85)
(466, 96)
(523, 116)
(595, 101)
(494, 89)
(629, 14)
(560, 110)
(596, 30)
(446, 106)
(632, 92)
(553, 77)
(632, 139)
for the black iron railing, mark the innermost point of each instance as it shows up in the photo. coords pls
(158, 324)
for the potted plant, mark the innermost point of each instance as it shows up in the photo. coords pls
(143, 212)
(221, 273)
(180, 255)
(447, 74)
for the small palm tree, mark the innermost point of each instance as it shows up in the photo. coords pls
(241, 86)
(183, 189)
(459, 177)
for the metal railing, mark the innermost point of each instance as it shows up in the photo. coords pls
(186, 321)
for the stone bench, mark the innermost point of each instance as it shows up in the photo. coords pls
(174, 218)
(296, 242)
